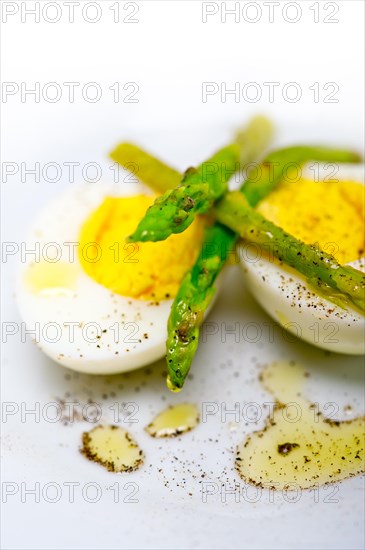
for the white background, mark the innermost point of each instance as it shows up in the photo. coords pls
(169, 53)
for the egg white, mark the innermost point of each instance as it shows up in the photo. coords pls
(285, 296)
(132, 333)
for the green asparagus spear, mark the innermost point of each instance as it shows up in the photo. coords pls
(151, 171)
(235, 212)
(191, 302)
(275, 166)
(200, 187)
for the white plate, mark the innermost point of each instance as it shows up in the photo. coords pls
(169, 54)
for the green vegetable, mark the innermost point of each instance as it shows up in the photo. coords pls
(281, 163)
(319, 267)
(200, 187)
(151, 171)
(191, 302)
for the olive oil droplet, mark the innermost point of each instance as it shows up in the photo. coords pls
(174, 421)
(113, 448)
(52, 279)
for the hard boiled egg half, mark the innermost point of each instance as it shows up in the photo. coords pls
(329, 212)
(97, 303)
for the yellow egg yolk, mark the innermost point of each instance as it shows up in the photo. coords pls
(330, 214)
(145, 271)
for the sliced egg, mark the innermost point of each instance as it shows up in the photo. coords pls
(71, 299)
(295, 305)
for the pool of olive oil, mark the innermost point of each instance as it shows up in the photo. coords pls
(299, 447)
(51, 279)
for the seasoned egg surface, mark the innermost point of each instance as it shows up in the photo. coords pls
(332, 215)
